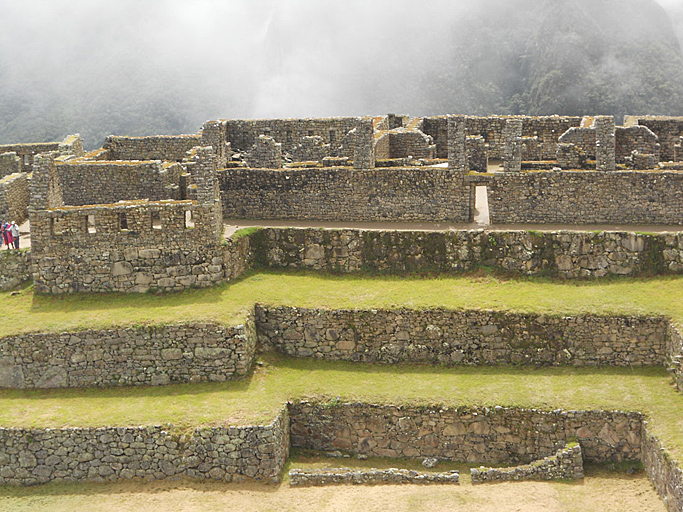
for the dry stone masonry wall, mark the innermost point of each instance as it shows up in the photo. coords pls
(163, 354)
(158, 147)
(34, 456)
(587, 197)
(105, 182)
(14, 198)
(345, 194)
(495, 435)
(568, 254)
(471, 337)
(15, 268)
(346, 476)
(565, 464)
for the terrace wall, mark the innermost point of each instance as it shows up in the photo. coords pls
(476, 435)
(668, 130)
(567, 254)
(148, 355)
(587, 197)
(34, 456)
(334, 194)
(15, 268)
(473, 337)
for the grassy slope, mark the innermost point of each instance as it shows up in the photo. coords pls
(258, 398)
(229, 303)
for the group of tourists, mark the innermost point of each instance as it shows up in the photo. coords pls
(10, 234)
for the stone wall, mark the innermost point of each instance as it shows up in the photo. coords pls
(627, 139)
(158, 147)
(664, 473)
(404, 142)
(26, 152)
(546, 128)
(344, 194)
(35, 456)
(569, 254)
(129, 356)
(310, 149)
(587, 197)
(14, 197)
(264, 153)
(9, 164)
(674, 352)
(497, 435)
(103, 182)
(668, 130)
(126, 247)
(242, 133)
(470, 337)
(346, 476)
(565, 464)
(15, 268)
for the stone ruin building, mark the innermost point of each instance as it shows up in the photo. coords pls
(146, 213)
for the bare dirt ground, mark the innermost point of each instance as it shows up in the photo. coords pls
(598, 493)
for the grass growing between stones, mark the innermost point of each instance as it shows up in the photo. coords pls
(229, 303)
(258, 398)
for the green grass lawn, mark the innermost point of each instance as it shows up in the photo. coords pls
(259, 398)
(229, 303)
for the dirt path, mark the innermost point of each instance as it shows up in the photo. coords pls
(615, 493)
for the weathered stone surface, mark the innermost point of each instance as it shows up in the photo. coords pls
(346, 476)
(478, 337)
(33, 456)
(156, 355)
(565, 464)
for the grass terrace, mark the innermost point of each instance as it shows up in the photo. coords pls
(229, 303)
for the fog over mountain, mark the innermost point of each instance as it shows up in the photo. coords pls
(165, 66)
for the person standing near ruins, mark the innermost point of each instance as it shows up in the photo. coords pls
(7, 235)
(14, 229)
(4, 234)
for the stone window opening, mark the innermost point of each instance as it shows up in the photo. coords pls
(90, 223)
(289, 136)
(156, 220)
(189, 220)
(57, 226)
(333, 136)
(26, 162)
(310, 133)
(123, 221)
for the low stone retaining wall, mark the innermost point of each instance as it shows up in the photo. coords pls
(462, 337)
(15, 268)
(663, 471)
(340, 476)
(478, 435)
(156, 354)
(675, 352)
(568, 254)
(34, 456)
(565, 464)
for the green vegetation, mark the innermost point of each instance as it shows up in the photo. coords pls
(278, 379)
(229, 303)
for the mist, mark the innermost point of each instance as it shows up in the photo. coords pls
(165, 66)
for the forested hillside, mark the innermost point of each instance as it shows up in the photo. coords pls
(495, 56)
